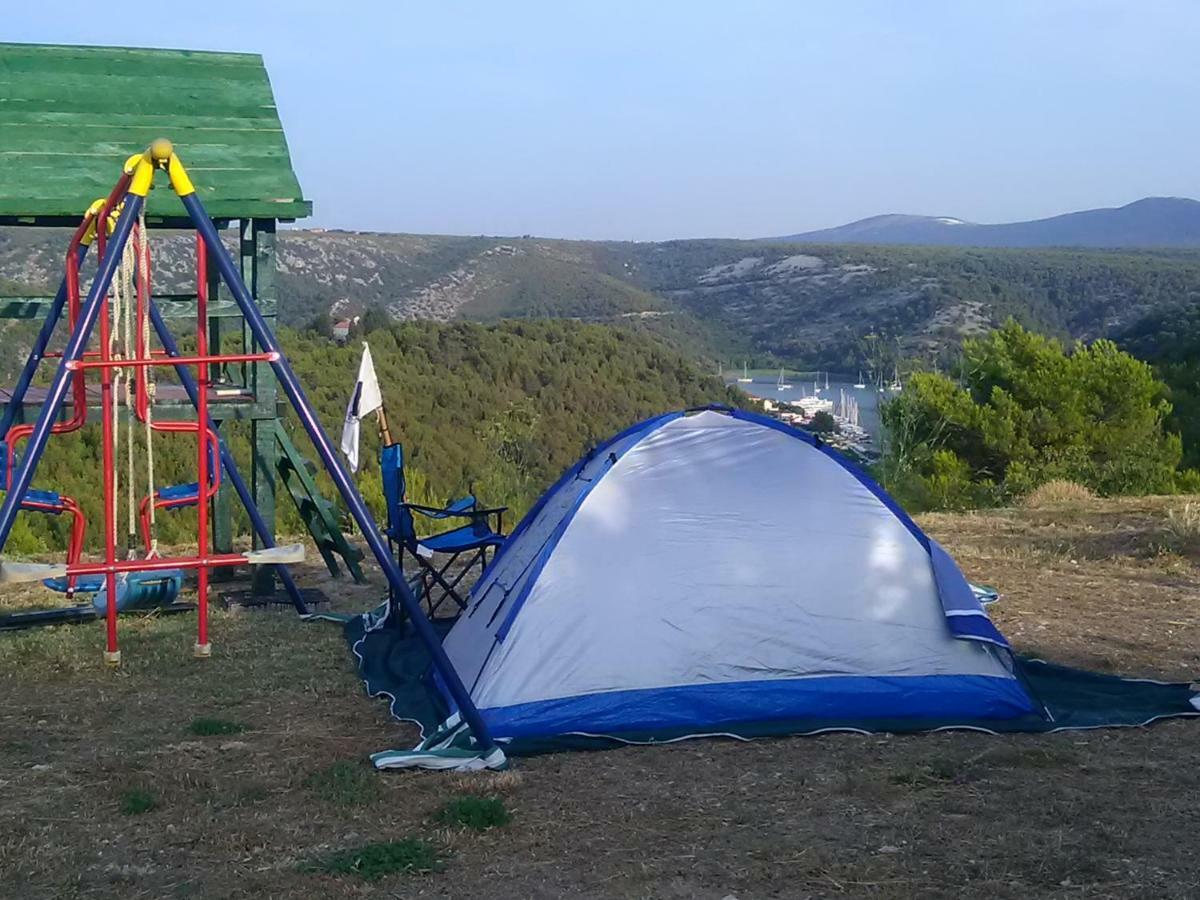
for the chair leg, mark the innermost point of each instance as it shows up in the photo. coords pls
(449, 589)
(438, 576)
(460, 600)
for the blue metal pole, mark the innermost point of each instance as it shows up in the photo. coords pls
(63, 374)
(321, 443)
(39, 349)
(256, 520)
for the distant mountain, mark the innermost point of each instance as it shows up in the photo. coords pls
(1151, 222)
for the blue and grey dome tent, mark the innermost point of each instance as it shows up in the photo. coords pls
(719, 573)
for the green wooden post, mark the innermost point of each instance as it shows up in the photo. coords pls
(222, 512)
(262, 241)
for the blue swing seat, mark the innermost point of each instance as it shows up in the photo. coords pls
(84, 584)
(32, 495)
(184, 493)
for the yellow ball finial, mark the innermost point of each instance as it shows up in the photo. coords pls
(160, 151)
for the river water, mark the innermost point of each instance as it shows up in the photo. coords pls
(765, 386)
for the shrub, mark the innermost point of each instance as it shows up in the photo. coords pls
(1183, 526)
(1059, 492)
(1187, 481)
(823, 422)
(1025, 411)
(22, 540)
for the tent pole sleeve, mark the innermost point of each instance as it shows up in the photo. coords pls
(88, 315)
(321, 443)
(235, 477)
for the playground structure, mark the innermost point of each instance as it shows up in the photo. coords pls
(125, 358)
(124, 210)
(79, 104)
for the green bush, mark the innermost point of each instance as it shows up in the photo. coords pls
(22, 540)
(1187, 481)
(1025, 411)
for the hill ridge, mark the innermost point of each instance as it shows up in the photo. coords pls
(1159, 221)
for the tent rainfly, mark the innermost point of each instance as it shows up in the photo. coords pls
(716, 572)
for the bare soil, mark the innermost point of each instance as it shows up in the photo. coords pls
(1103, 584)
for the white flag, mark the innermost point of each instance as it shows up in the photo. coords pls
(364, 401)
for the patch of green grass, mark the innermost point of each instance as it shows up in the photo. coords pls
(136, 801)
(930, 774)
(374, 861)
(344, 783)
(247, 794)
(478, 813)
(213, 727)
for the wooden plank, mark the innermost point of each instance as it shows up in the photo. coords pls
(66, 52)
(66, 211)
(69, 116)
(260, 257)
(66, 93)
(109, 143)
(14, 114)
(24, 307)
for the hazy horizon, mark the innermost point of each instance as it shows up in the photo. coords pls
(311, 225)
(621, 122)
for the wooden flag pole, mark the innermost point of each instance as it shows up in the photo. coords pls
(384, 432)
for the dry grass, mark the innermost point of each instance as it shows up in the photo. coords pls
(285, 807)
(1057, 493)
(1183, 526)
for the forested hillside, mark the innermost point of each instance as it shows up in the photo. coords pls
(817, 306)
(1170, 339)
(502, 409)
(829, 306)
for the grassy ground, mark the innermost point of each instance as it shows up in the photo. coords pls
(244, 775)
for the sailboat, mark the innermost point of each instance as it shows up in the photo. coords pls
(826, 381)
(782, 385)
(896, 385)
(860, 384)
(745, 379)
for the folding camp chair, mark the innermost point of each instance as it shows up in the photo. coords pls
(436, 555)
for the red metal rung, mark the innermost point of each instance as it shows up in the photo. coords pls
(75, 365)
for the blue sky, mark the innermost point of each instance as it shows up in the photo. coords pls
(653, 120)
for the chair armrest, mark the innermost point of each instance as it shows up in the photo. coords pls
(490, 511)
(476, 515)
(461, 511)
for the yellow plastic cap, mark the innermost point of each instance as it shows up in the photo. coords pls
(160, 151)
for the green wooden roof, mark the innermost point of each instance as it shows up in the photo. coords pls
(70, 116)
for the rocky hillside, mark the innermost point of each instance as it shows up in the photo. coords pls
(412, 276)
(840, 306)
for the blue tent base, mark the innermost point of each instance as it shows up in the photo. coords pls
(394, 664)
